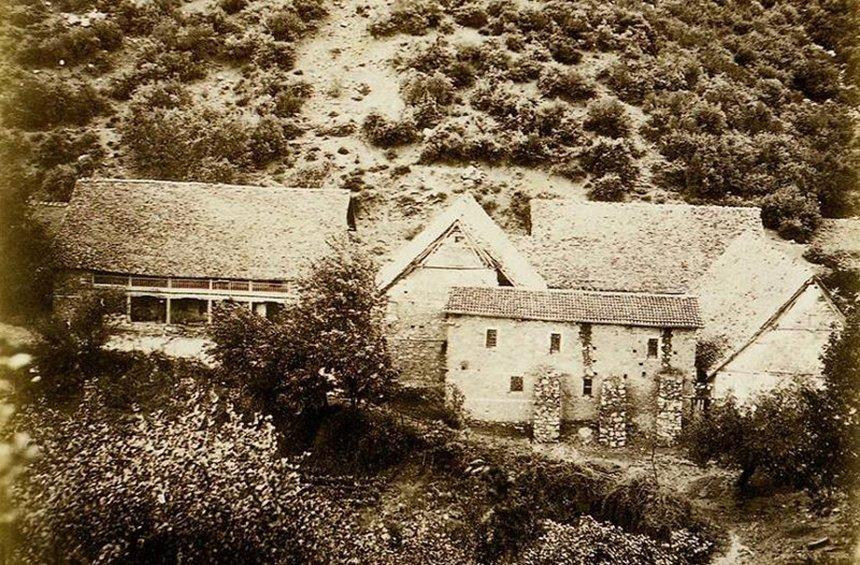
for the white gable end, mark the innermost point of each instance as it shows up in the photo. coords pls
(788, 346)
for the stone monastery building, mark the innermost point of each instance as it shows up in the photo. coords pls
(596, 292)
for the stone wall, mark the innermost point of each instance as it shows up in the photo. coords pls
(484, 374)
(612, 414)
(546, 415)
(670, 406)
(415, 319)
(420, 362)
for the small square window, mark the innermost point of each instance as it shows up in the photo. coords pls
(492, 338)
(554, 343)
(653, 347)
(516, 384)
(587, 384)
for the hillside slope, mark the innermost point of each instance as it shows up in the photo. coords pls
(410, 102)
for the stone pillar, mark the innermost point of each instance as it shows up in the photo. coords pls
(546, 416)
(670, 405)
(612, 413)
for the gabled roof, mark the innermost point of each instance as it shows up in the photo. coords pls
(469, 217)
(630, 246)
(199, 230)
(744, 288)
(631, 309)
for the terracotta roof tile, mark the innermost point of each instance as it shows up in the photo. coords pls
(632, 309)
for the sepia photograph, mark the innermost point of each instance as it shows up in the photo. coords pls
(429, 282)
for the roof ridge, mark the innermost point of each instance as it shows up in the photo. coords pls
(99, 180)
(579, 291)
(570, 201)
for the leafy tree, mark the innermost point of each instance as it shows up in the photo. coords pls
(838, 407)
(26, 279)
(339, 319)
(330, 341)
(69, 349)
(822, 449)
(753, 437)
(791, 213)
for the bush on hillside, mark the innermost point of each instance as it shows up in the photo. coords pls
(471, 14)
(174, 144)
(609, 188)
(232, 6)
(169, 138)
(271, 53)
(612, 156)
(268, 141)
(790, 212)
(413, 17)
(285, 25)
(310, 10)
(608, 117)
(564, 49)
(558, 82)
(40, 102)
(385, 132)
(631, 81)
(72, 46)
(63, 146)
(435, 88)
(58, 183)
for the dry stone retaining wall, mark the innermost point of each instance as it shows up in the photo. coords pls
(546, 415)
(670, 404)
(612, 413)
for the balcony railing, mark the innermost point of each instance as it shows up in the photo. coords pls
(160, 283)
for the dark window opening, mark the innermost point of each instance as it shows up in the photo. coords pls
(554, 343)
(273, 310)
(492, 338)
(516, 384)
(148, 309)
(587, 384)
(653, 347)
(189, 311)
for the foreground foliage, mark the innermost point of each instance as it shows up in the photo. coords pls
(820, 453)
(329, 343)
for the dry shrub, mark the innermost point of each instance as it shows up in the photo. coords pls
(559, 82)
(384, 132)
(413, 17)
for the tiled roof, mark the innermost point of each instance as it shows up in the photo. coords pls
(473, 219)
(632, 309)
(630, 246)
(199, 230)
(746, 286)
